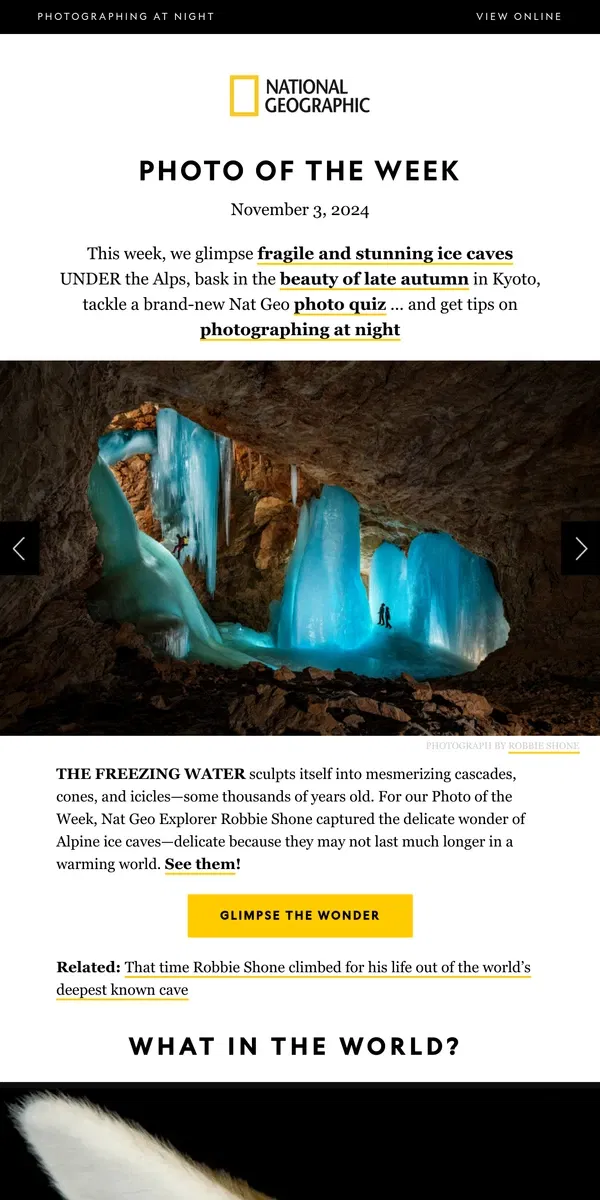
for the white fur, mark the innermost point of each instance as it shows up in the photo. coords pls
(90, 1154)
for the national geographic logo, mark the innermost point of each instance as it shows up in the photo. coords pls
(292, 96)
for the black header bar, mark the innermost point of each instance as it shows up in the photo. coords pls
(48, 17)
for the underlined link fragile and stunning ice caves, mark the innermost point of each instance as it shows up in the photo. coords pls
(434, 611)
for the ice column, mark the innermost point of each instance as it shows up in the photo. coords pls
(453, 600)
(288, 600)
(324, 601)
(201, 498)
(167, 490)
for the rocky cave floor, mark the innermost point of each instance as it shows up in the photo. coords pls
(147, 695)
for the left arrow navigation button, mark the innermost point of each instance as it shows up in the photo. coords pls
(19, 548)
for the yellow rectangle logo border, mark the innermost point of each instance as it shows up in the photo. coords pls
(232, 82)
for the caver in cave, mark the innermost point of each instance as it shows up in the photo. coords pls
(432, 490)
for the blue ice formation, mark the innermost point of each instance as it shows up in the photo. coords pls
(440, 595)
(188, 465)
(283, 611)
(445, 611)
(294, 483)
(324, 599)
(446, 614)
(186, 474)
(143, 583)
(124, 443)
(388, 583)
(454, 602)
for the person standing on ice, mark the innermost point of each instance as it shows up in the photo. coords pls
(182, 541)
(388, 623)
(381, 620)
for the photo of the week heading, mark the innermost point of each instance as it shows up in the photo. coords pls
(319, 170)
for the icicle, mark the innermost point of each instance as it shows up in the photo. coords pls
(166, 472)
(226, 460)
(186, 473)
(294, 483)
(201, 499)
(288, 600)
(177, 642)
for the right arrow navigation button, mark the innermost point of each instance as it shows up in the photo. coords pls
(583, 551)
(580, 548)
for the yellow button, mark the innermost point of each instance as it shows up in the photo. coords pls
(300, 916)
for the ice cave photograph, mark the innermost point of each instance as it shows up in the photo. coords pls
(298, 548)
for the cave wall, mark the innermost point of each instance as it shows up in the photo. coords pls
(50, 415)
(134, 478)
(497, 454)
(133, 475)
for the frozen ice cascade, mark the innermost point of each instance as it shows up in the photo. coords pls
(143, 583)
(432, 612)
(294, 483)
(439, 595)
(124, 443)
(388, 583)
(324, 601)
(186, 478)
(453, 601)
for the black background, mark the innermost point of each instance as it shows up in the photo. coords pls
(308, 1142)
(291, 1143)
(311, 19)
